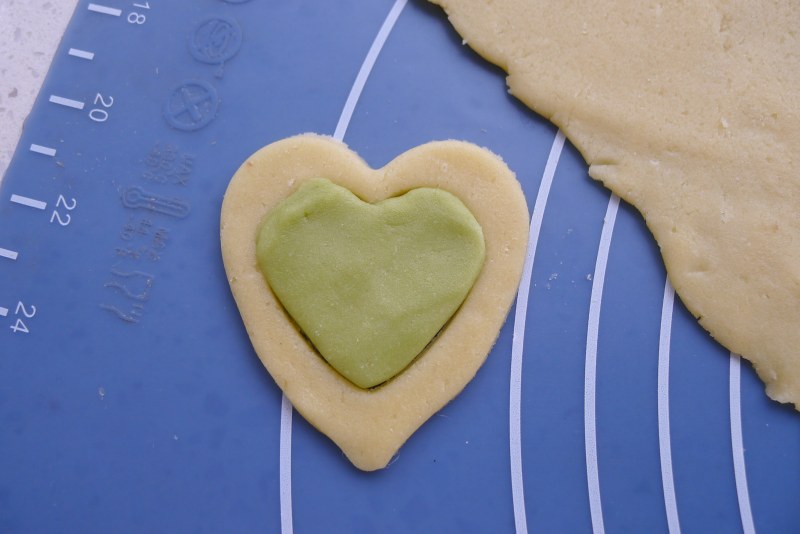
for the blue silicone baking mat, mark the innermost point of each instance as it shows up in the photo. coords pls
(131, 399)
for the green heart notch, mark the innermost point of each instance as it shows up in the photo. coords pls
(370, 285)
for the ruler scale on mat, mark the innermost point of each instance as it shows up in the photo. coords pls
(131, 399)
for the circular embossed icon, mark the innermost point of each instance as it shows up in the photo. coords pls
(191, 105)
(215, 40)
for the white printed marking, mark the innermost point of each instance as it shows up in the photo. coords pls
(30, 202)
(10, 254)
(285, 466)
(68, 102)
(341, 128)
(590, 373)
(105, 10)
(366, 68)
(39, 149)
(83, 54)
(737, 443)
(3, 311)
(664, 437)
(518, 343)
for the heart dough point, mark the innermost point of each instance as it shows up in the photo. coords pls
(370, 284)
(370, 425)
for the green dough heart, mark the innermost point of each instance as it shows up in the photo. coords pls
(370, 285)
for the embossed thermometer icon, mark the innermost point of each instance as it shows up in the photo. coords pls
(136, 197)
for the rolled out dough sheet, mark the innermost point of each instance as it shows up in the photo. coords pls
(691, 112)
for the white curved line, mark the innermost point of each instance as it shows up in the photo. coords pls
(518, 343)
(737, 443)
(664, 436)
(285, 450)
(590, 373)
(285, 467)
(366, 68)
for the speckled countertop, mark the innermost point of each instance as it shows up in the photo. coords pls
(30, 31)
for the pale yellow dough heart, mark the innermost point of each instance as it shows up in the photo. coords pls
(371, 425)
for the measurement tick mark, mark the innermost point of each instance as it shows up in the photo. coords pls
(105, 10)
(83, 54)
(3, 311)
(30, 202)
(68, 102)
(10, 254)
(44, 150)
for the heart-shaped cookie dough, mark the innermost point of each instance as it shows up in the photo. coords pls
(369, 425)
(370, 284)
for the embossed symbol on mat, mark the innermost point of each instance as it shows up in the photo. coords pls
(215, 40)
(191, 106)
(133, 289)
(136, 197)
